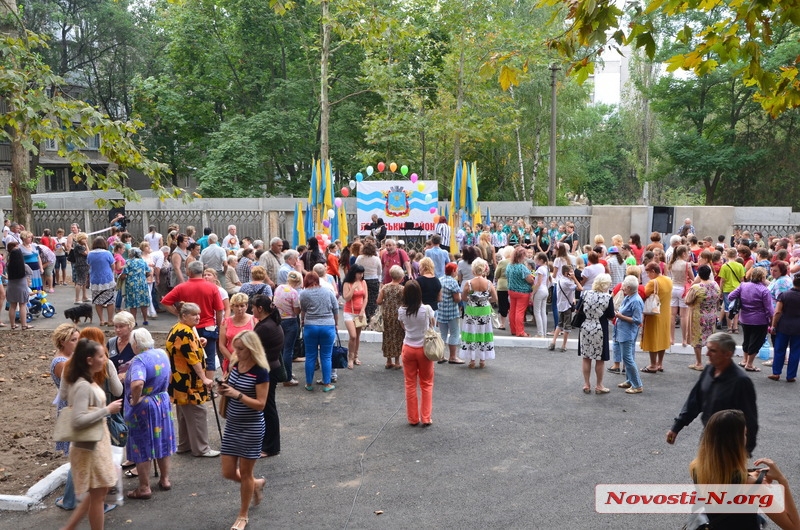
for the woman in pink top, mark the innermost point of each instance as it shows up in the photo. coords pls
(354, 292)
(287, 300)
(232, 325)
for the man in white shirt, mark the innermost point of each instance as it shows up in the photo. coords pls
(214, 256)
(230, 241)
(13, 234)
(674, 241)
(272, 260)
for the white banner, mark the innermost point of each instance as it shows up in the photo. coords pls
(398, 202)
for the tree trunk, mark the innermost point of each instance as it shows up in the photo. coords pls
(519, 156)
(21, 202)
(324, 104)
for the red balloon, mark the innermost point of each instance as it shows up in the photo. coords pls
(346, 191)
(381, 166)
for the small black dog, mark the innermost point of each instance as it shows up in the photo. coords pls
(75, 313)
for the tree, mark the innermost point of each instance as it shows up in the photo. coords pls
(37, 111)
(739, 34)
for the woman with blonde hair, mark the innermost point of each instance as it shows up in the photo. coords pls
(501, 285)
(722, 459)
(477, 337)
(598, 306)
(233, 325)
(390, 299)
(65, 338)
(246, 388)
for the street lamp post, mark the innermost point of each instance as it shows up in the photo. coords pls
(551, 196)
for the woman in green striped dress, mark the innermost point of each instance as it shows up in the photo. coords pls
(477, 336)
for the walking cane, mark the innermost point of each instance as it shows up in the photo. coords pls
(216, 414)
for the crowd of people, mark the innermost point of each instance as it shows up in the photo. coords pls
(248, 310)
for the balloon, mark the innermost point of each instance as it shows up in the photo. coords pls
(433, 209)
(428, 197)
(369, 171)
(338, 201)
(381, 167)
(393, 167)
(421, 186)
(404, 170)
(326, 224)
(359, 177)
(345, 192)
(331, 214)
(352, 185)
(414, 177)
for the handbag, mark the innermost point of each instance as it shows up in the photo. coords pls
(433, 345)
(376, 322)
(117, 429)
(299, 346)
(734, 308)
(360, 321)
(223, 405)
(339, 355)
(618, 299)
(64, 432)
(277, 370)
(691, 297)
(578, 316)
(652, 304)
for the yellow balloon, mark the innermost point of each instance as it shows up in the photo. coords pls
(393, 167)
(421, 186)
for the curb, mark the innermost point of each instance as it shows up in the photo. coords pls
(33, 499)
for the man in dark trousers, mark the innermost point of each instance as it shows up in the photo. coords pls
(722, 385)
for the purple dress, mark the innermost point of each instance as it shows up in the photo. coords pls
(151, 434)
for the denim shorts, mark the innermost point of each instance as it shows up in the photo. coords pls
(451, 331)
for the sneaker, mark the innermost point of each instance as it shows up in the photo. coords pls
(293, 382)
(211, 453)
(614, 370)
(634, 390)
(624, 385)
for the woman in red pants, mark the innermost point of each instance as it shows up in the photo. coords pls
(520, 279)
(415, 319)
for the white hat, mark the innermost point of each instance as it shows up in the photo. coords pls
(401, 243)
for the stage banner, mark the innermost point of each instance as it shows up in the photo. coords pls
(403, 205)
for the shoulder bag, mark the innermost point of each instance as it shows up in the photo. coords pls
(652, 305)
(433, 345)
(65, 432)
(117, 428)
(376, 322)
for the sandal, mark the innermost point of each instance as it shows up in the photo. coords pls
(587, 390)
(240, 524)
(164, 487)
(389, 366)
(471, 364)
(13, 326)
(27, 326)
(482, 365)
(138, 495)
(357, 362)
(128, 465)
(752, 369)
(398, 367)
(649, 370)
(130, 473)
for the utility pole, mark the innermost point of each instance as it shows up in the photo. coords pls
(551, 196)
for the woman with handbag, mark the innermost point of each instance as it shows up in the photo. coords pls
(269, 331)
(65, 338)
(656, 330)
(148, 413)
(354, 292)
(598, 306)
(245, 391)
(93, 468)
(390, 298)
(477, 337)
(416, 319)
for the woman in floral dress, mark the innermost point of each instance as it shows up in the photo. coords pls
(598, 306)
(703, 298)
(390, 299)
(477, 336)
(137, 290)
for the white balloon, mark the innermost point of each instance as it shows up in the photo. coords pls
(352, 184)
(331, 214)
(428, 197)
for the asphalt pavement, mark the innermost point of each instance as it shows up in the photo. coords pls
(516, 445)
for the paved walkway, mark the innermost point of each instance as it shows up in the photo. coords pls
(515, 445)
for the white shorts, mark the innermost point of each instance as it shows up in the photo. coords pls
(677, 297)
(349, 317)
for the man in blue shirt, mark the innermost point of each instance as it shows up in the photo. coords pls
(439, 256)
(203, 241)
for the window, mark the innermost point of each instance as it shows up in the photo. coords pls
(55, 180)
(50, 145)
(93, 143)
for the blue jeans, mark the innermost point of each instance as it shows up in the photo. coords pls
(554, 305)
(211, 347)
(318, 341)
(625, 350)
(782, 340)
(291, 329)
(154, 296)
(68, 500)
